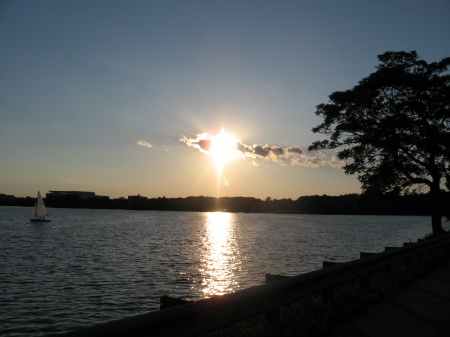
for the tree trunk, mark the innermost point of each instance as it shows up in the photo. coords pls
(436, 207)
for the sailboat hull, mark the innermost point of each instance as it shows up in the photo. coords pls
(40, 220)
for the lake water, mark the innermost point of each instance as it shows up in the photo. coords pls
(92, 266)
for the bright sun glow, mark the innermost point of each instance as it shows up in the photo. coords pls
(223, 149)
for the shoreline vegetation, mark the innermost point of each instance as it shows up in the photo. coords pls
(351, 204)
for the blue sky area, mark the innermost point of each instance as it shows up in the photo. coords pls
(110, 96)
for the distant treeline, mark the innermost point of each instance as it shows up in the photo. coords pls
(416, 204)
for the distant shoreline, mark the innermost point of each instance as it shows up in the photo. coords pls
(349, 204)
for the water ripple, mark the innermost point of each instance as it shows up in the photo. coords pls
(92, 266)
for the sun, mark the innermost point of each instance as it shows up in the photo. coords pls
(223, 148)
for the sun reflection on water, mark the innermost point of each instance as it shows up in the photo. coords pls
(220, 254)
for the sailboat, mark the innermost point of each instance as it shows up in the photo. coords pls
(39, 211)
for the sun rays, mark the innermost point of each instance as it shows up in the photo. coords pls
(223, 148)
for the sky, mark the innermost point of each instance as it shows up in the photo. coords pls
(128, 97)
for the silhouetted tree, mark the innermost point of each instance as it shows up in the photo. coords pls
(394, 126)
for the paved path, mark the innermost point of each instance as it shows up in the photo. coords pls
(422, 308)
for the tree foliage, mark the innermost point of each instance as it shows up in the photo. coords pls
(393, 127)
(356, 204)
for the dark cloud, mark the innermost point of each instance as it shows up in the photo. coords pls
(295, 150)
(205, 144)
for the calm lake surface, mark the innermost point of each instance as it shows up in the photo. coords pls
(92, 266)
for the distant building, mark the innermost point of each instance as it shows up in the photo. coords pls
(136, 197)
(80, 194)
(106, 197)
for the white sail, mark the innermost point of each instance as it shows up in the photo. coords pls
(39, 209)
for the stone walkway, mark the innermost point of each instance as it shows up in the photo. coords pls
(421, 308)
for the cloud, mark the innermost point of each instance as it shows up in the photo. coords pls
(335, 162)
(144, 143)
(291, 156)
(202, 142)
(273, 153)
